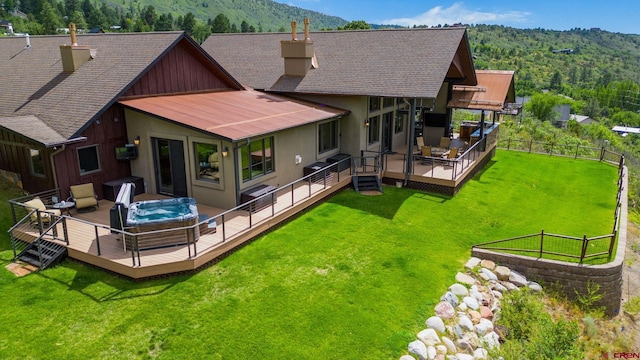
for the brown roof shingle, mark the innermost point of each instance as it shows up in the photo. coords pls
(400, 62)
(33, 83)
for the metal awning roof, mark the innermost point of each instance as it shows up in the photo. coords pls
(494, 90)
(234, 115)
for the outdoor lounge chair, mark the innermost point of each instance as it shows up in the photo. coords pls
(84, 196)
(45, 214)
(420, 143)
(445, 142)
(426, 152)
(450, 155)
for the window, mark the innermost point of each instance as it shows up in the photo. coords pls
(374, 129)
(388, 102)
(374, 103)
(207, 164)
(257, 158)
(88, 159)
(399, 125)
(37, 162)
(327, 136)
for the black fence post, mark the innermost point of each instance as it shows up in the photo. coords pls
(585, 242)
(541, 242)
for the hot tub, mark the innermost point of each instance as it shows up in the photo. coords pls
(152, 215)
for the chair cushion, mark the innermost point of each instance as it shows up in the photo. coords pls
(35, 203)
(83, 191)
(45, 214)
(86, 202)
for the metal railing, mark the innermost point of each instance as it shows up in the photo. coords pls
(245, 216)
(575, 151)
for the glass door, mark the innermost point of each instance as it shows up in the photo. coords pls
(170, 167)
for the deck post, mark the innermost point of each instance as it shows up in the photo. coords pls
(223, 228)
(95, 228)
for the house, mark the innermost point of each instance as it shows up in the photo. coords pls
(70, 108)
(385, 78)
(7, 26)
(583, 119)
(625, 130)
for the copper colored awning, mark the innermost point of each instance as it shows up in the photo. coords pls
(234, 115)
(494, 91)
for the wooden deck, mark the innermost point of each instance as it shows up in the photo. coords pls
(88, 231)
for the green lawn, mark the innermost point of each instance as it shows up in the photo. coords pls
(354, 278)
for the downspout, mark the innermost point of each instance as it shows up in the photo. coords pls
(236, 172)
(53, 165)
(412, 129)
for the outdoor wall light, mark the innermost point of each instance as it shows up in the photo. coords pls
(366, 122)
(136, 141)
(225, 152)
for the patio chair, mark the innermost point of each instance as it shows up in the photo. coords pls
(450, 156)
(45, 214)
(426, 152)
(84, 196)
(445, 142)
(420, 143)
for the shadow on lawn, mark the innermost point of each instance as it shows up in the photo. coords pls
(478, 177)
(100, 286)
(387, 208)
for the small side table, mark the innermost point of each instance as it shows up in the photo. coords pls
(64, 206)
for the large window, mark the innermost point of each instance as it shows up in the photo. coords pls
(89, 159)
(374, 129)
(327, 136)
(37, 162)
(399, 125)
(207, 164)
(257, 158)
(388, 102)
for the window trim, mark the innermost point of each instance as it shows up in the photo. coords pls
(99, 169)
(374, 129)
(335, 136)
(31, 167)
(196, 163)
(265, 159)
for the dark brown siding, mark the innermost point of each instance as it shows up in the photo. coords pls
(108, 134)
(14, 157)
(181, 70)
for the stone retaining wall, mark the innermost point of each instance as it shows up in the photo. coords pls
(574, 277)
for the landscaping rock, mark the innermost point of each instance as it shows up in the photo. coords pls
(472, 262)
(474, 316)
(486, 313)
(497, 294)
(517, 279)
(429, 337)
(491, 340)
(451, 347)
(484, 327)
(463, 307)
(510, 286)
(488, 264)
(465, 322)
(451, 298)
(465, 346)
(461, 356)
(472, 338)
(499, 287)
(407, 357)
(418, 348)
(431, 352)
(458, 331)
(436, 324)
(459, 289)
(534, 286)
(502, 272)
(480, 354)
(472, 303)
(465, 279)
(476, 295)
(489, 274)
(444, 310)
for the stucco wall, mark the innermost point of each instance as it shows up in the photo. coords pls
(574, 277)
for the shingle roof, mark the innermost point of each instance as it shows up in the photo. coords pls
(400, 62)
(33, 83)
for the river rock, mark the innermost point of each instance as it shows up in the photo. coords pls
(497, 294)
(459, 289)
(436, 324)
(484, 327)
(510, 286)
(499, 287)
(451, 347)
(488, 264)
(431, 352)
(444, 310)
(464, 346)
(465, 279)
(458, 331)
(486, 313)
(472, 303)
(472, 262)
(534, 286)
(489, 274)
(465, 322)
(474, 316)
(451, 298)
(429, 337)
(463, 307)
(418, 348)
(502, 272)
(461, 356)
(491, 340)
(480, 354)
(407, 357)
(472, 338)
(517, 279)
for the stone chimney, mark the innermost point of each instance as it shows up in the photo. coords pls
(299, 55)
(74, 56)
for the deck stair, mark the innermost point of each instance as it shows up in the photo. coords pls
(367, 174)
(43, 253)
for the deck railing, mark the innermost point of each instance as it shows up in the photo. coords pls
(245, 216)
(556, 246)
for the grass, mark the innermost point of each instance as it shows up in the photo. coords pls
(354, 278)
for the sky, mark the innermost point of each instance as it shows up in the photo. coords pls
(614, 16)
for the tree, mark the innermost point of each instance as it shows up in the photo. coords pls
(556, 82)
(189, 23)
(221, 24)
(149, 16)
(356, 25)
(542, 106)
(164, 23)
(71, 6)
(49, 19)
(96, 19)
(244, 26)
(201, 32)
(77, 17)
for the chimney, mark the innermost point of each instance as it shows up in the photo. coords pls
(299, 55)
(74, 56)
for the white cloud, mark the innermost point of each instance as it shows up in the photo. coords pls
(457, 13)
